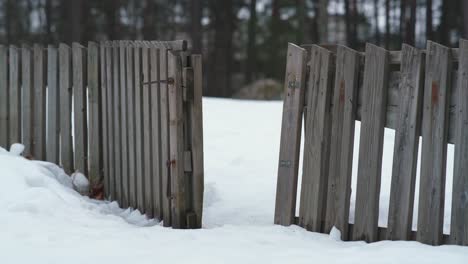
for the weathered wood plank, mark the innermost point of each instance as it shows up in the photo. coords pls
(175, 45)
(155, 131)
(65, 91)
(164, 108)
(53, 107)
(14, 95)
(317, 139)
(116, 121)
(104, 118)
(39, 103)
(147, 147)
(459, 220)
(95, 137)
(434, 144)
(286, 190)
(80, 108)
(344, 104)
(139, 128)
(371, 144)
(26, 93)
(176, 141)
(4, 97)
(197, 139)
(110, 120)
(131, 126)
(405, 152)
(124, 124)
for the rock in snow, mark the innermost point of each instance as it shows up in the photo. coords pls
(80, 183)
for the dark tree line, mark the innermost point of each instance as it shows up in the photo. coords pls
(242, 40)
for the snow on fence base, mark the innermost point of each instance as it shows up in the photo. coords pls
(127, 114)
(427, 95)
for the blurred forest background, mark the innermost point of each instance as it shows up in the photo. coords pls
(243, 41)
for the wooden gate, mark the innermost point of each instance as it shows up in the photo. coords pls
(127, 114)
(416, 93)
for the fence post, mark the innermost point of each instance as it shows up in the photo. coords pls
(176, 141)
(293, 105)
(27, 95)
(65, 91)
(14, 116)
(3, 97)
(39, 102)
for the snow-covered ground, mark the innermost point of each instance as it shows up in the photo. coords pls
(42, 220)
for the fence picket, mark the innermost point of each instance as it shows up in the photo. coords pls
(14, 95)
(104, 117)
(155, 129)
(80, 108)
(459, 220)
(111, 192)
(124, 124)
(370, 149)
(117, 123)
(26, 93)
(434, 144)
(342, 140)
(39, 103)
(131, 127)
(4, 97)
(53, 105)
(316, 142)
(290, 136)
(139, 128)
(405, 154)
(95, 136)
(65, 91)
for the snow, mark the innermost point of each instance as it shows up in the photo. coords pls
(43, 220)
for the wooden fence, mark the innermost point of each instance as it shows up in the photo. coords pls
(127, 114)
(416, 93)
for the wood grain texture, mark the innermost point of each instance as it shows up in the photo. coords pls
(155, 130)
(344, 105)
(95, 122)
(117, 121)
(39, 103)
(317, 138)
(14, 95)
(124, 121)
(80, 108)
(147, 147)
(26, 94)
(371, 144)
(53, 107)
(286, 190)
(103, 113)
(65, 92)
(4, 97)
(164, 108)
(197, 139)
(405, 152)
(139, 128)
(459, 220)
(434, 144)
(176, 142)
(131, 126)
(110, 116)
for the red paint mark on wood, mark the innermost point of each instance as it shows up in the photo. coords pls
(342, 92)
(435, 93)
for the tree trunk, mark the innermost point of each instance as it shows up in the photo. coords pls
(251, 50)
(376, 21)
(429, 29)
(408, 21)
(322, 20)
(75, 13)
(351, 22)
(220, 78)
(444, 23)
(149, 20)
(196, 30)
(48, 21)
(387, 24)
(464, 13)
(8, 21)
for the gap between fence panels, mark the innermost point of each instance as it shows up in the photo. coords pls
(421, 96)
(106, 110)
